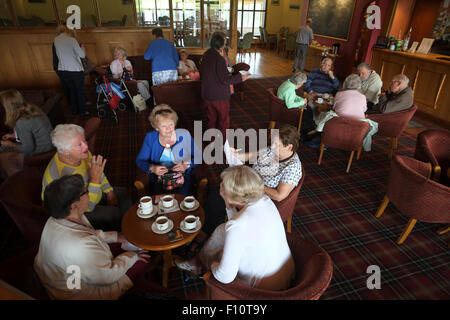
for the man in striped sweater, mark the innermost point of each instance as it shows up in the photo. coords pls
(73, 157)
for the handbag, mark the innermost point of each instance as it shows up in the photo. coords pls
(88, 65)
(113, 98)
(139, 102)
(172, 180)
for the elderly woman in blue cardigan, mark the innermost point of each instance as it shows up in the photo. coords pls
(166, 150)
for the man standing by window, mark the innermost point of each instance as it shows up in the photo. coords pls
(304, 38)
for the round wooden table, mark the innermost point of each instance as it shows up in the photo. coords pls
(139, 232)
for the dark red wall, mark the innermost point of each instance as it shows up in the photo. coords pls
(348, 48)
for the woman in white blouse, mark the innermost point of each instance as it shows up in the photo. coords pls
(69, 243)
(251, 247)
(122, 68)
(187, 68)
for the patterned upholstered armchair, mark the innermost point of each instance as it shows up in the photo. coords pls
(414, 194)
(313, 273)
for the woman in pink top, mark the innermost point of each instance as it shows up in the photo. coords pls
(349, 102)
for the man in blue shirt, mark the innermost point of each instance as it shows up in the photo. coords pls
(165, 59)
(322, 80)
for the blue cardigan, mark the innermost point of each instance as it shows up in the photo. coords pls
(183, 150)
(321, 82)
(163, 54)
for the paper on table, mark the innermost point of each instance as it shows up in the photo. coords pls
(232, 160)
(129, 247)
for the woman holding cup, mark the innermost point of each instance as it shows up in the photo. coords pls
(167, 154)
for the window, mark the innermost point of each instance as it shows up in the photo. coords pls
(186, 23)
(88, 14)
(217, 18)
(153, 12)
(251, 16)
(5, 16)
(34, 14)
(116, 13)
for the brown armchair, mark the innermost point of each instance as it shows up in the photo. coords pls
(313, 273)
(278, 112)
(414, 194)
(286, 207)
(434, 146)
(345, 134)
(20, 195)
(392, 125)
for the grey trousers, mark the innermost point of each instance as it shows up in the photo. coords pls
(303, 50)
(109, 218)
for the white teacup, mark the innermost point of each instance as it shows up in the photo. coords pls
(167, 201)
(146, 205)
(189, 202)
(319, 100)
(190, 222)
(162, 223)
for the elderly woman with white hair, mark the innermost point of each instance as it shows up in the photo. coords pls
(251, 246)
(74, 157)
(122, 68)
(350, 102)
(286, 91)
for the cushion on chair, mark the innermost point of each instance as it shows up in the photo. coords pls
(344, 133)
(393, 124)
(419, 197)
(313, 267)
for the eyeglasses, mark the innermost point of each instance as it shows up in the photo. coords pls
(86, 191)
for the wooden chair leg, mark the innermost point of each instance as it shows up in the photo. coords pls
(299, 127)
(395, 143)
(272, 125)
(359, 153)
(350, 161)
(289, 224)
(391, 148)
(382, 206)
(407, 231)
(443, 230)
(322, 148)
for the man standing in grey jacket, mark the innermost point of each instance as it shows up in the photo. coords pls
(304, 37)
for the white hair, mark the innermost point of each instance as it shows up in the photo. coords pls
(298, 78)
(352, 82)
(63, 135)
(363, 65)
(402, 78)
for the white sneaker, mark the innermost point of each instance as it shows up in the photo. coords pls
(186, 266)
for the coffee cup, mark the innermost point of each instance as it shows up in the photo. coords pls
(190, 222)
(319, 100)
(162, 223)
(167, 201)
(189, 202)
(146, 205)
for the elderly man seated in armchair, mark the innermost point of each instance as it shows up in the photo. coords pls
(398, 97)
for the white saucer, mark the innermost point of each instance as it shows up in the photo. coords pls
(160, 205)
(155, 230)
(146, 216)
(195, 207)
(198, 227)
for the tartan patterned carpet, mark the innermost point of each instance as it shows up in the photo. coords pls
(334, 209)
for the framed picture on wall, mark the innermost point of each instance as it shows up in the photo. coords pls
(331, 18)
(275, 2)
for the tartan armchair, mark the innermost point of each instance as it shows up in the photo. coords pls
(415, 195)
(313, 273)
